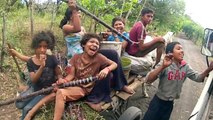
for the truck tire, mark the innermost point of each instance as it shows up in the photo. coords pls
(132, 113)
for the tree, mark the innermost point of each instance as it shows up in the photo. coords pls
(5, 8)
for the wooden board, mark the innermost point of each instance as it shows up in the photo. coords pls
(123, 95)
(133, 82)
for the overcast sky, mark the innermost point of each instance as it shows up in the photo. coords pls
(200, 11)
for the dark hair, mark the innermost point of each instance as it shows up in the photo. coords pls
(117, 19)
(86, 37)
(170, 46)
(53, 39)
(66, 18)
(39, 37)
(146, 11)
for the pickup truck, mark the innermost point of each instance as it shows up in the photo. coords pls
(203, 110)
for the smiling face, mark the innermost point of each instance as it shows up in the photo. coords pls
(178, 53)
(119, 26)
(91, 47)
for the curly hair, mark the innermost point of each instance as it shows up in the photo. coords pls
(87, 37)
(39, 37)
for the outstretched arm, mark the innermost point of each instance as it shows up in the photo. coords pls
(207, 71)
(19, 55)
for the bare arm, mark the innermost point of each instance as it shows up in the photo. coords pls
(19, 55)
(68, 78)
(36, 75)
(207, 71)
(153, 75)
(112, 65)
(71, 76)
(74, 19)
(103, 73)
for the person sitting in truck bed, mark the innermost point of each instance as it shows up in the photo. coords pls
(138, 34)
(87, 64)
(119, 25)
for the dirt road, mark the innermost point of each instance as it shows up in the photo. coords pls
(183, 106)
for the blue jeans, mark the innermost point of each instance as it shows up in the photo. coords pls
(29, 105)
(20, 104)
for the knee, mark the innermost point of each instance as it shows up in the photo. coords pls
(59, 95)
(161, 45)
(20, 105)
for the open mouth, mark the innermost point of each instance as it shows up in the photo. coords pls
(94, 49)
(181, 56)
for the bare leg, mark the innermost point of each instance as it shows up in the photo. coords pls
(59, 105)
(47, 99)
(160, 48)
(144, 91)
(64, 95)
(159, 53)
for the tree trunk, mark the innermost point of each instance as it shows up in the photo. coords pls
(31, 18)
(3, 42)
(139, 14)
(127, 15)
(122, 8)
(53, 16)
(27, 4)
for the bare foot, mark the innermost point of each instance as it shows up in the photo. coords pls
(97, 107)
(128, 90)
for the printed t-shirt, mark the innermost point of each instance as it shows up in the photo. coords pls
(85, 70)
